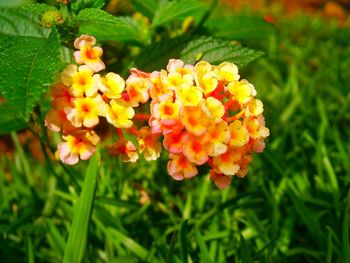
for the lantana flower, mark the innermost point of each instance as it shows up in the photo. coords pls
(201, 114)
(77, 146)
(88, 54)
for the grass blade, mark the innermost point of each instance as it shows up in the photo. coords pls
(76, 244)
(170, 255)
(345, 239)
(245, 252)
(204, 254)
(56, 238)
(183, 241)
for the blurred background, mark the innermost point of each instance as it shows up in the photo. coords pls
(293, 206)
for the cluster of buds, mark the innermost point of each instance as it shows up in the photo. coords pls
(202, 114)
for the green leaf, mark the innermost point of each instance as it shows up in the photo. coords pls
(105, 26)
(146, 7)
(28, 66)
(216, 51)
(14, 3)
(38, 9)
(204, 254)
(77, 239)
(213, 50)
(176, 10)
(81, 4)
(9, 121)
(157, 55)
(20, 22)
(239, 27)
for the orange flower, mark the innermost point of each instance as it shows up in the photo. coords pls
(80, 145)
(218, 136)
(56, 120)
(221, 180)
(194, 120)
(125, 149)
(166, 110)
(88, 54)
(149, 144)
(227, 163)
(180, 167)
(138, 89)
(173, 142)
(256, 127)
(194, 148)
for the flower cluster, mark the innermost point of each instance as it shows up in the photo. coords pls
(203, 114)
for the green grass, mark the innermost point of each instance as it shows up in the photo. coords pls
(292, 207)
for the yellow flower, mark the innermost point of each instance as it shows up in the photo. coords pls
(180, 75)
(86, 111)
(241, 90)
(189, 95)
(112, 85)
(206, 78)
(228, 71)
(254, 108)
(80, 81)
(239, 134)
(119, 114)
(214, 109)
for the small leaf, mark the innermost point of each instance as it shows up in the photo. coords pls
(19, 22)
(14, 3)
(146, 7)
(216, 51)
(238, 27)
(105, 26)
(81, 4)
(157, 55)
(30, 64)
(78, 234)
(213, 50)
(174, 10)
(38, 9)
